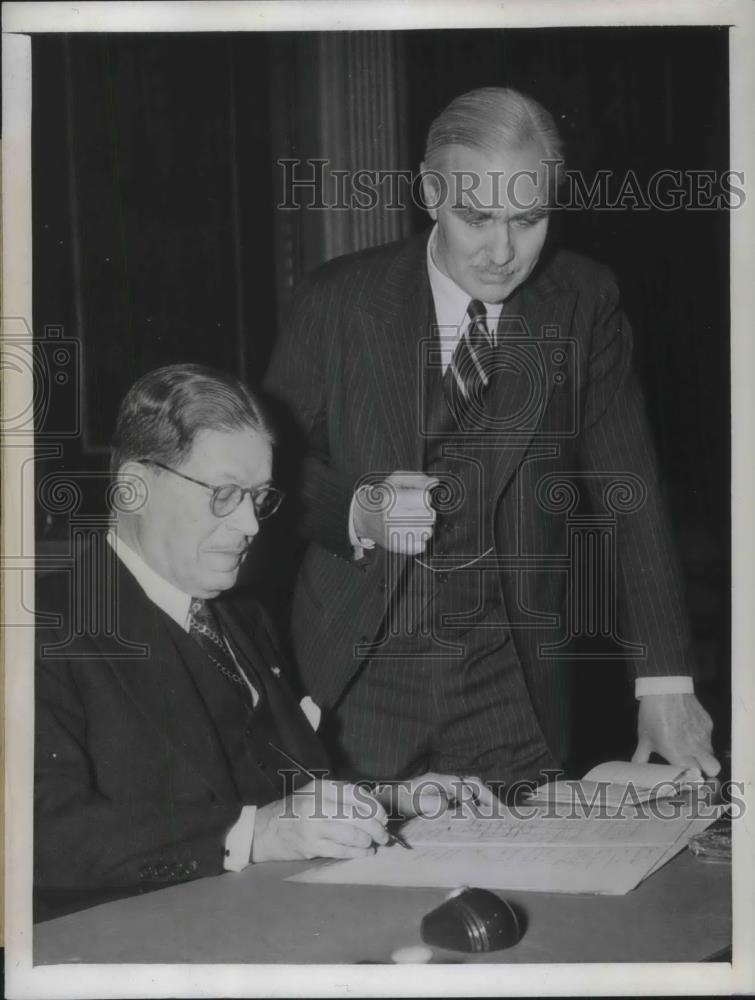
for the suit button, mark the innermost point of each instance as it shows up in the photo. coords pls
(261, 765)
(442, 577)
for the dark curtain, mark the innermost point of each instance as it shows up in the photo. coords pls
(152, 214)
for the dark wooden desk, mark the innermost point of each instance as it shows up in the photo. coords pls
(681, 914)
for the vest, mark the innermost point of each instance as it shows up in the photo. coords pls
(451, 601)
(261, 773)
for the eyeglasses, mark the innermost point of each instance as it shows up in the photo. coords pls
(226, 499)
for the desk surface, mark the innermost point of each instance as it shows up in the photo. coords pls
(680, 914)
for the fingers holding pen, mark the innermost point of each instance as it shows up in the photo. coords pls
(323, 819)
(347, 815)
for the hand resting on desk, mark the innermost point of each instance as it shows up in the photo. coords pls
(677, 727)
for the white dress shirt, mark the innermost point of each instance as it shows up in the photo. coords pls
(451, 304)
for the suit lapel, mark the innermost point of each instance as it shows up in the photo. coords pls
(521, 389)
(162, 688)
(250, 643)
(399, 321)
(400, 316)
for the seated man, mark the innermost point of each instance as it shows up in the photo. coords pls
(166, 733)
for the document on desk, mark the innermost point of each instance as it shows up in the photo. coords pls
(609, 855)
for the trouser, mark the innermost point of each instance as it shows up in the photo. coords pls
(467, 713)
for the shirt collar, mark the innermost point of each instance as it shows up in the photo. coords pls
(168, 598)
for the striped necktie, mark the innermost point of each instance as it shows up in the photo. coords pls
(207, 632)
(468, 375)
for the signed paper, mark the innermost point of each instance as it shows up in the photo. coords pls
(604, 855)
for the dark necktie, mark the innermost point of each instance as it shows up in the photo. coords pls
(468, 375)
(206, 630)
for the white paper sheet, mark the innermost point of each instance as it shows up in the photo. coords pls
(599, 855)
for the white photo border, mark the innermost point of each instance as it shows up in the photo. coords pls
(23, 980)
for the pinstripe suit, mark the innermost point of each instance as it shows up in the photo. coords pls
(351, 366)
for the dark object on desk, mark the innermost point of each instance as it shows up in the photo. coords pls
(473, 920)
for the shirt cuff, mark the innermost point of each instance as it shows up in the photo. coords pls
(677, 684)
(238, 843)
(357, 543)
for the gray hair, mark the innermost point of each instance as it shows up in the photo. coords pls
(163, 412)
(492, 118)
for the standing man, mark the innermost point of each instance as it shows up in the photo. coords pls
(463, 394)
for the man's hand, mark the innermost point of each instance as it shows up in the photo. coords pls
(431, 794)
(677, 727)
(325, 819)
(396, 513)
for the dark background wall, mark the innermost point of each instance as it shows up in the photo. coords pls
(156, 237)
(153, 227)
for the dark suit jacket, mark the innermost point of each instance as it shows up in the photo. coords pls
(132, 784)
(348, 364)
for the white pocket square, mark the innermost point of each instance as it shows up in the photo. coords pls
(312, 711)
